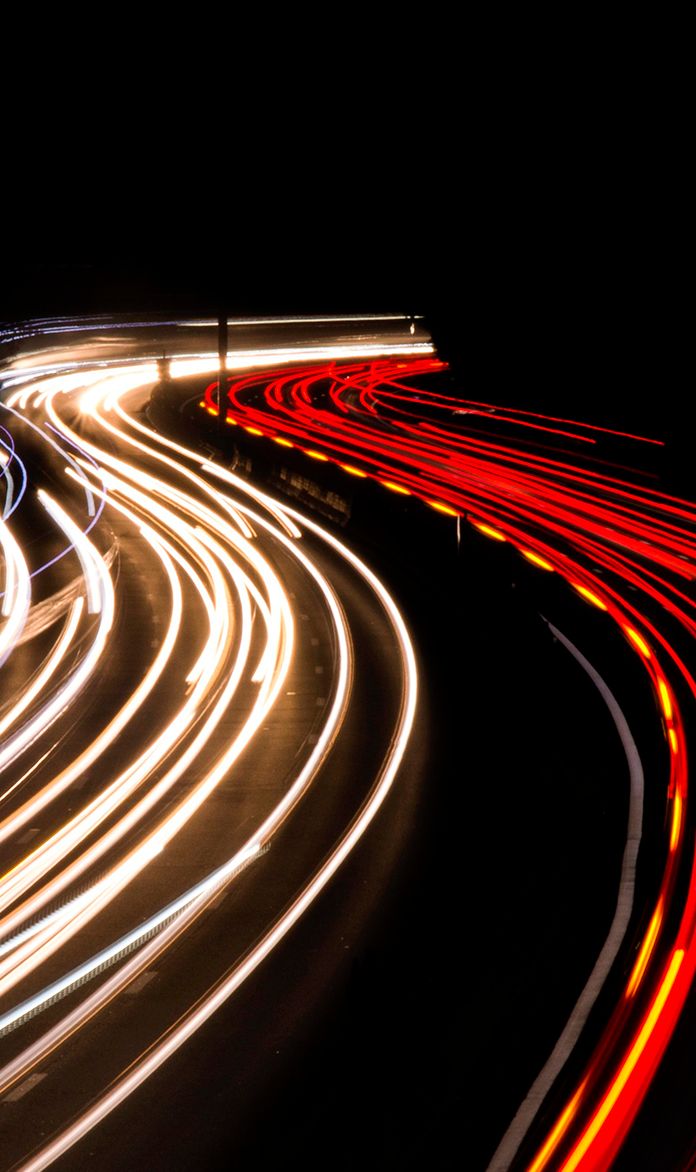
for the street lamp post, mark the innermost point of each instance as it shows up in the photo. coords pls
(222, 355)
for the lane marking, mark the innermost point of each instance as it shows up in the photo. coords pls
(139, 983)
(28, 835)
(24, 1088)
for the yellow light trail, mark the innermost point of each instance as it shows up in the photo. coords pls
(536, 560)
(638, 641)
(666, 699)
(489, 531)
(440, 508)
(588, 595)
(645, 950)
(608, 1103)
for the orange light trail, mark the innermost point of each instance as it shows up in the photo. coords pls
(676, 821)
(593, 598)
(666, 699)
(645, 950)
(536, 560)
(489, 531)
(592, 1131)
(440, 508)
(558, 1132)
(638, 641)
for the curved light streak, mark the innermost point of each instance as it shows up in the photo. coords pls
(579, 520)
(16, 596)
(560, 518)
(141, 1070)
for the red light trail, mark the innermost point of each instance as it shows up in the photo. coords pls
(606, 536)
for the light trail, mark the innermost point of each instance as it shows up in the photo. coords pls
(100, 592)
(95, 813)
(16, 595)
(269, 676)
(348, 410)
(45, 438)
(64, 779)
(8, 457)
(49, 668)
(526, 1113)
(561, 517)
(140, 1071)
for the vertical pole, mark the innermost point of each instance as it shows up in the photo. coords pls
(222, 355)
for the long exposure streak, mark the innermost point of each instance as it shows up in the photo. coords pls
(134, 535)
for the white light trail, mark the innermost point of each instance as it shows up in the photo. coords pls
(89, 558)
(102, 592)
(17, 592)
(49, 668)
(143, 1068)
(214, 540)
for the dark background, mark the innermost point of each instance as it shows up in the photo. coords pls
(565, 316)
(563, 311)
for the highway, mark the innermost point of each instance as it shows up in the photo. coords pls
(207, 658)
(626, 550)
(192, 661)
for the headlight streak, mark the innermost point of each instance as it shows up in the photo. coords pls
(119, 385)
(270, 826)
(158, 1054)
(50, 666)
(42, 858)
(100, 743)
(89, 558)
(337, 708)
(20, 1066)
(104, 805)
(95, 515)
(290, 528)
(102, 590)
(17, 593)
(8, 457)
(207, 887)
